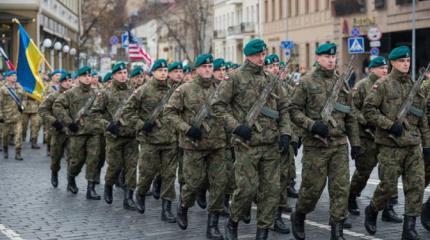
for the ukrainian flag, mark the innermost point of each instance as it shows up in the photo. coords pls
(29, 60)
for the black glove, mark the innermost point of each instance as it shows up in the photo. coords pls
(113, 128)
(284, 144)
(1, 120)
(73, 127)
(57, 125)
(320, 129)
(355, 152)
(244, 132)
(426, 153)
(147, 127)
(295, 147)
(194, 133)
(396, 129)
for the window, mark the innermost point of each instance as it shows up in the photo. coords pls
(317, 7)
(327, 4)
(306, 6)
(297, 8)
(273, 9)
(266, 10)
(280, 8)
(252, 14)
(289, 8)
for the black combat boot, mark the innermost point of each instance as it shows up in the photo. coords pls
(156, 187)
(140, 203)
(18, 155)
(370, 218)
(182, 217)
(298, 225)
(34, 144)
(425, 215)
(230, 229)
(337, 230)
(409, 232)
(91, 191)
(166, 211)
(394, 200)
(212, 230)
(226, 212)
(247, 217)
(262, 234)
(389, 215)
(5, 152)
(128, 202)
(54, 179)
(280, 226)
(347, 223)
(291, 190)
(201, 198)
(353, 206)
(108, 194)
(71, 185)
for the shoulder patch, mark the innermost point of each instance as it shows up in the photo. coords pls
(354, 89)
(375, 86)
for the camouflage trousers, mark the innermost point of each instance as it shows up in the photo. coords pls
(102, 156)
(35, 122)
(256, 172)
(320, 164)
(16, 129)
(157, 159)
(287, 168)
(180, 166)
(200, 166)
(122, 153)
(84, 149)
(393, 163)
(229, 159)
(59, 144)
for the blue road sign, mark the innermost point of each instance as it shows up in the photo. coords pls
(114, 40)
(374, 51)
(124, 40)
(356, 45)
(287, 44)
(355, 32)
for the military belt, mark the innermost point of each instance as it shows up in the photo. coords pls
(342, 108)
(416, 111)
(270, 113)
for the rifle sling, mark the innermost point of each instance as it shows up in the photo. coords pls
(416, 111)
(342, 108)
(270, 113)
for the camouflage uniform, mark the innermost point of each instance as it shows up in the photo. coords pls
(257, 167)
(30, 115)
(402, 157)
(320, 161)
(50, 87)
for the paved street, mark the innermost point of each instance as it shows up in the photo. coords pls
(31, 209)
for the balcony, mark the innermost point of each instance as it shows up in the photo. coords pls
(219, 34)
(242, 28)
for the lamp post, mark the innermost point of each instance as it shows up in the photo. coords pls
(47, 43)
(58, 46)
(66, 49)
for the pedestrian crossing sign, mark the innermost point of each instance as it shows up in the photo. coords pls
(356, 45)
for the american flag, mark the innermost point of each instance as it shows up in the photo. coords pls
(6, 59)
(136, 51)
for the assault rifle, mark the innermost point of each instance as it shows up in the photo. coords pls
(159, 108)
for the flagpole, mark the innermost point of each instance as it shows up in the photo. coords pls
(15, 20)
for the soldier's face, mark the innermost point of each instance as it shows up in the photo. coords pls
(66, 84)
(11, 78)
(258, 59)
(121, 76)
(188, 77)
(327, 61)
(160, 74)
(205, 70)
(85, 79)
(273, 68)
(176, 75)
(56, 77)
(402, 64)
(220, 74)
(380, 71)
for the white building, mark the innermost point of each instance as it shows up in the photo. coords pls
(235, 23)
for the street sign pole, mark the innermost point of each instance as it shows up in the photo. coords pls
(413, 38)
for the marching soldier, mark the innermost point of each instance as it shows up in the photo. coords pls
(57, 129)
(107, 80)
(11, 97)
(188, 73)
(157, 139)
(399, 143)
(257, 146)
(367, 160)
(137, 77)
(121, 144)
(72, 110)
(425, 214)
(30, 115)
(323, 160)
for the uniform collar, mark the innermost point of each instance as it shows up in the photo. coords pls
(119, 85)
(159, 84)
(373, 77)
(322, 72)
(84, 87)
(399, 76)
(253, 68)
(204, 82)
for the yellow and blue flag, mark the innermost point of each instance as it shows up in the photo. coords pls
(29, 60)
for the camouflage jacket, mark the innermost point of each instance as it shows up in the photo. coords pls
(30, 105)
(139, 108)
(382, 105)
(307, 102)
(109, 105)
(45, 109)
(359, 92)
(49, 88)
(68, 104)
(9, 111)
(183, 106)
(238, 94)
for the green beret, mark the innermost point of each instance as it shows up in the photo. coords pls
(377, 62)
(203, 59)
(83, 70)
(187, 69)
(57, 71)
(107, 77)
(281, 64)
(94, 73)
(326, 48)
(235, 65)
(174, 65)
(228, 65)
(399, 52)
(272, 58)
(254, 46)
(9, 73)
(64, 76)
(118, 67)
(136, 71)
(159, 63)
(218, 63)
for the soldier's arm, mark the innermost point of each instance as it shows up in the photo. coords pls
(296, 107)
(45, 109)
(1, 103)
(284, 116)
(98, 109)
(371, 107)
(173, 109)
(60, 109)
(358, 95)
(221, 104)
(130, 114)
